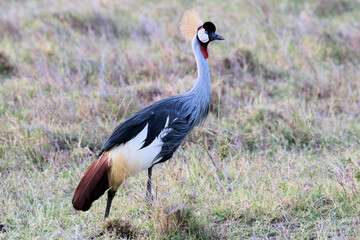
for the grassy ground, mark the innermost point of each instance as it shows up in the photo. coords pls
(284, 117)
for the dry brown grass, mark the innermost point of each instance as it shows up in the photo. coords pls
(284, 118)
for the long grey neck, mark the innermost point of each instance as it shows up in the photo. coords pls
(203, 83)
(201, 91)
(198, 98)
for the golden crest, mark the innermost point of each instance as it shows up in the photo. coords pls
(190, 22)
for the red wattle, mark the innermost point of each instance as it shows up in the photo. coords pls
(204, 52)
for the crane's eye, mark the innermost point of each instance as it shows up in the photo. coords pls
(202, 35)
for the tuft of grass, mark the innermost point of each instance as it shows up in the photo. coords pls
(6, 66)
(243, 61)
(118, 228)
(180, 223)
(327, 8)
(341, 48)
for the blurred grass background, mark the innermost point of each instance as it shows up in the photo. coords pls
(284, 117)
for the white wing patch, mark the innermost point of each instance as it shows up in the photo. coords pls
(137, 159)
(166, 130)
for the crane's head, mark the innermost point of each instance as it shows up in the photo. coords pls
(191, 25)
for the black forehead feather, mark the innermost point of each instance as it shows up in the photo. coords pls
(209, 26)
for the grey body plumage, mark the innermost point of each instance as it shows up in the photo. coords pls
(184, 111)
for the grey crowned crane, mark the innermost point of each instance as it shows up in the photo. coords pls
(152, 135)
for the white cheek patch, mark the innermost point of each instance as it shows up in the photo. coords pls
(203, 35)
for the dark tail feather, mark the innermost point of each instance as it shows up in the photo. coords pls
(93, 184)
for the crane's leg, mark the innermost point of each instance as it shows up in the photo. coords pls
(149, 196)
(111, 195)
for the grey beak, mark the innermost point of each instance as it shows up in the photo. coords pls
(219, 37)
(214, 36)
